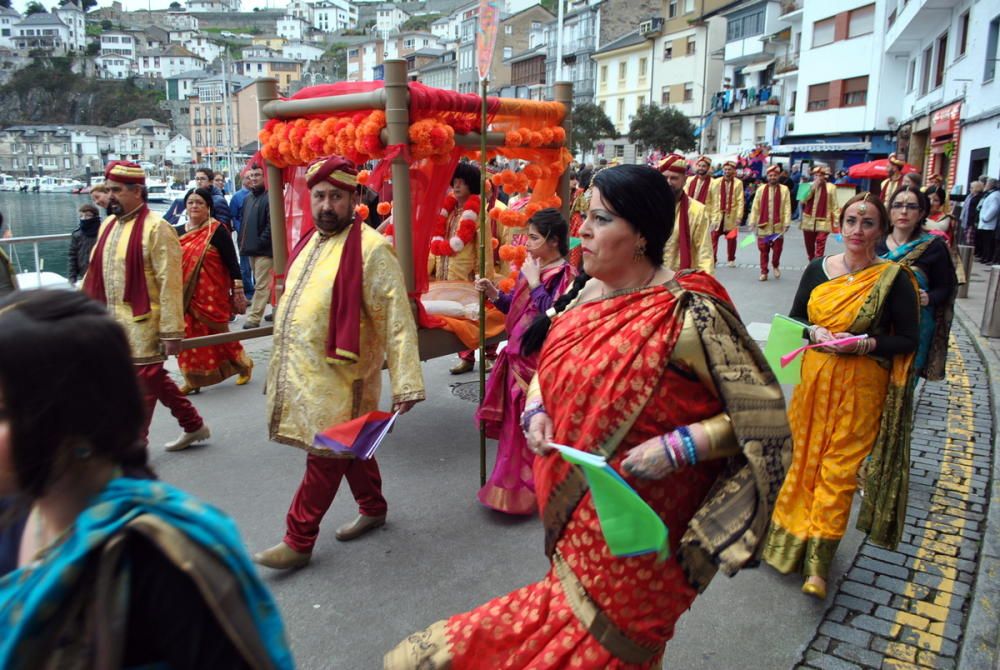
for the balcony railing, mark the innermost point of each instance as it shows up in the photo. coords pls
(789, 64)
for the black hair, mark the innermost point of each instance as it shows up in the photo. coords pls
(90, 403)
(640, 195)
(469, 174)
(254, 165)
(209, 172)
(550, 224)
(922, 201)
(89, 208)
(938, 191)
(203, 193)
(1, 221)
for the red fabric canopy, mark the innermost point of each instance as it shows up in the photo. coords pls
(878, 169)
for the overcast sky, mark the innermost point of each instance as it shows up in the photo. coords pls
(131, 5)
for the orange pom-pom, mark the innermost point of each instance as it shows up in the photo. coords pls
(363, 177)
(506, 285)
(362, 211)
(494, 242)
(384, 208)
(495, 213)
(532, 208)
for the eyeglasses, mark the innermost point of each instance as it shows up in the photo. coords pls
(909, 206)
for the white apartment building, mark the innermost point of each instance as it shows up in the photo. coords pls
(142, 139)
(949, 114)
(389, 17)
(204, 48)
(114, 43)
(685, 75)
(301, 52)
(177, 151)
(363, 58)
(8, 17)
(114, 67)
(163, 63)
(42, 31)
(73, 17)
(841, 97)
(292, 28)
(748, 104)
(624, 80)
(213, 5)
(332, 15)
(446, 28)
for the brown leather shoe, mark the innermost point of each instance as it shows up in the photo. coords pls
(360, 526)
(282, 557)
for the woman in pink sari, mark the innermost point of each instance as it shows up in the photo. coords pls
(544, 277)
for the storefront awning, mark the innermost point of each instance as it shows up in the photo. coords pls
(820, 147)
(757, 67)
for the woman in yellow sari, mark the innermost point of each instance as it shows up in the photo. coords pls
(853, 400)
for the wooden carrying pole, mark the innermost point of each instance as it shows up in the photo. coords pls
(267, 92)
(397, 123)
(562, 91)
(484, 234)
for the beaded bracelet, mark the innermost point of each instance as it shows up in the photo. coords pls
(529, 412)
(688, 441)
(664, 441)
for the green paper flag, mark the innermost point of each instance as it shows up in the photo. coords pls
(630, 526)
(803, 191)
(748, 240)
(574, 242)
(785, 337)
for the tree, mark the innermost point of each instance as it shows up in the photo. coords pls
(5, 3)
(106, 24)
(663, 128)
(175, 5)
(34, 7)
(590, 123)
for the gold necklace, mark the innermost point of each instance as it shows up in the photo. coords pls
(850, 272)
(605, 294)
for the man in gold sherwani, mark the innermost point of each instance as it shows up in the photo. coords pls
(135, 269)
(699, 185)
(726, 202)
(820, 212)
(770, 216)
(690, 223)
(343, 314)
(894, 168)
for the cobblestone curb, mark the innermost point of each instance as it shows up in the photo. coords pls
(909, 608)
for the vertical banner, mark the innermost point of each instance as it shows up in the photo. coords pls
(486, 38)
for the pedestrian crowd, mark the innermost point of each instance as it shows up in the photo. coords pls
(620, 342)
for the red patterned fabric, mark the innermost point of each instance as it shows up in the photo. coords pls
(208, 312)
(598, 360)
(770, 208)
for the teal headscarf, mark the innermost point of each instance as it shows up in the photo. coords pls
(31, 595)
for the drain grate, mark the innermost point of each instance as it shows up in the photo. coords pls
(466, 391)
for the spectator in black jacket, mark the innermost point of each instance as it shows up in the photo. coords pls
(255, 242)
(220, 208)
(82, 242)
(786, 181)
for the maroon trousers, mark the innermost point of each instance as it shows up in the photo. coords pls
(318, 489)
(730, 246)
(772, 249)
(470, 354)
(815, 243)
(156, 384)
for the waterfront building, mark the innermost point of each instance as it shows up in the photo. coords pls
(8, 18)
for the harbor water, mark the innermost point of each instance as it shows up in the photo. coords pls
(27, 214)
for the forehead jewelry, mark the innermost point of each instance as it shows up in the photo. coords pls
(863, 207)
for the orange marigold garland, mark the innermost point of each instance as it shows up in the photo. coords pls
(465, 231)
(383, 208)
(362, 211)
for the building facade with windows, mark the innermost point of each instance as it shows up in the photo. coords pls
(686, 73)
(65, 151)
(8, 17)
(581, 38)
(950, 103)
(841, 96)
(163, 63)
(624, 69)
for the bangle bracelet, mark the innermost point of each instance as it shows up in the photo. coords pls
(678, 450)
(692, 455)
(669, 452)
(528, 415)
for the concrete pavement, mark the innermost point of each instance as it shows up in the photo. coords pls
(441, 552)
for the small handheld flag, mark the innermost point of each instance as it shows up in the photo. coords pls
(359, 437)
(747, 241)
(785, 337)
(630, 526)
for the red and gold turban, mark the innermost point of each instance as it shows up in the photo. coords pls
(731, 164)
(673, 163)
(706, 161)
(125, 172)
(895, 160)
(773, 168)
(336, 170)
(821, 170)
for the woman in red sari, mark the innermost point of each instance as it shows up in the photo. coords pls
(655, 372)
(544, 277)
(213, 290)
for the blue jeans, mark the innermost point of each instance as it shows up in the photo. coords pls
(247, 271)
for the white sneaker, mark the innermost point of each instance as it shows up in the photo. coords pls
(187, 439)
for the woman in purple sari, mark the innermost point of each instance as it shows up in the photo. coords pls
(544, 277)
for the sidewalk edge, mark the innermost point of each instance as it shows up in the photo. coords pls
(981, 637)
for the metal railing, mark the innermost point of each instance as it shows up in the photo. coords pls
(34, 241)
